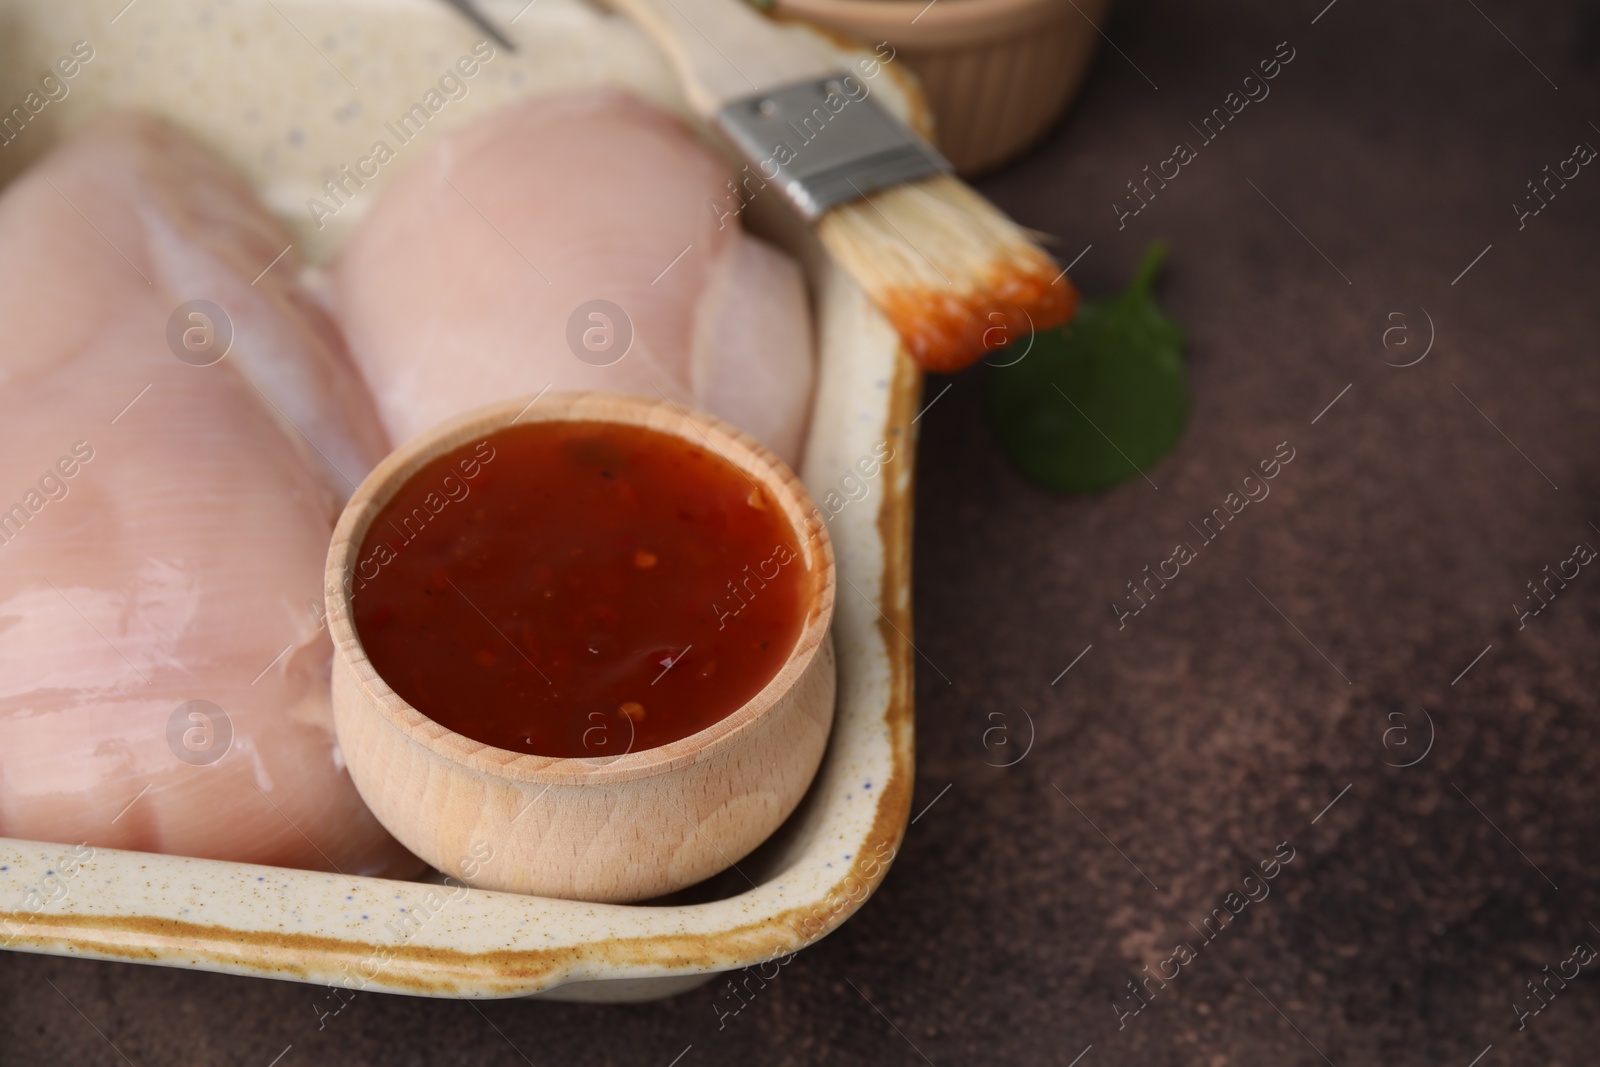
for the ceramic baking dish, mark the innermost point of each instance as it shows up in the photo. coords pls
(289, 90)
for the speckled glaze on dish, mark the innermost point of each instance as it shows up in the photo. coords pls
(246, 78)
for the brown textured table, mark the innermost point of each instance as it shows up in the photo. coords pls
(1372, 591)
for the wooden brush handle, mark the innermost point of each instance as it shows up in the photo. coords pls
(723, 50)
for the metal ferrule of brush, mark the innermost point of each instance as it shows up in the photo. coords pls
(825, 141)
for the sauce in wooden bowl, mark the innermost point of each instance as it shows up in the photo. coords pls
(579, 589)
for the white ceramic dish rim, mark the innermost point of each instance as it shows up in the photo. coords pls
(327, 928)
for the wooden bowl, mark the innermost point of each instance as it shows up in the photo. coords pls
(997, 73)
(614, 828)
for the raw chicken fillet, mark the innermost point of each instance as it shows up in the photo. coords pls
(163, 524)
(476, 276)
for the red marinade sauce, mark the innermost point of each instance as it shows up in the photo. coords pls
(579, 589)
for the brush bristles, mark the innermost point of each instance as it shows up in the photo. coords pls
(955, 277)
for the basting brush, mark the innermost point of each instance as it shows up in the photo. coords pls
(953, 275)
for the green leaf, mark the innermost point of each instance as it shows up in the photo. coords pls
(1099, 400)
